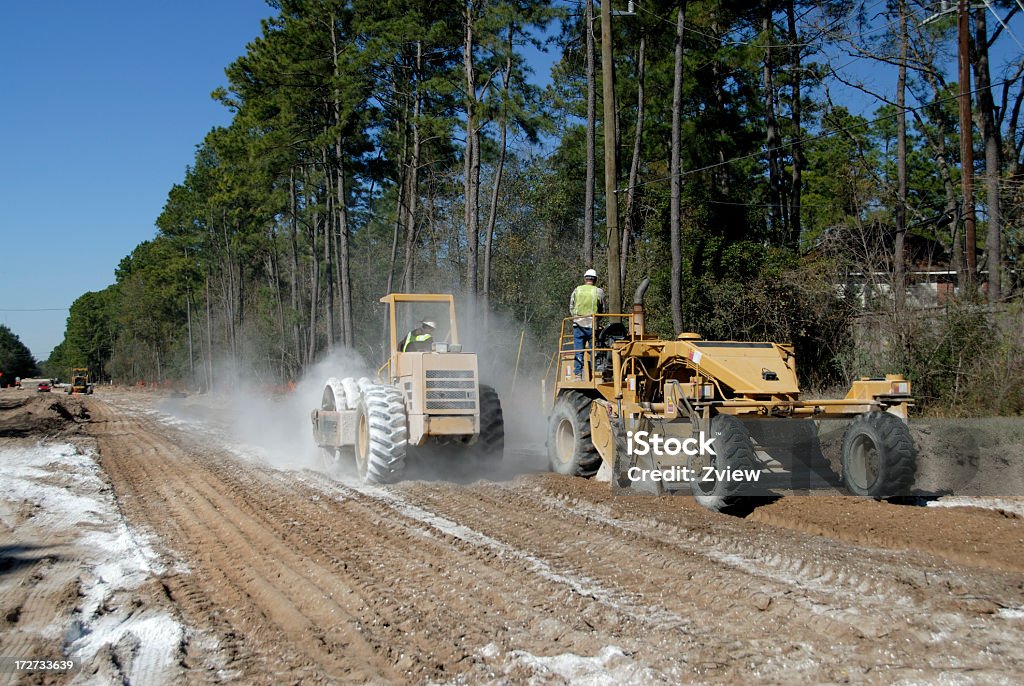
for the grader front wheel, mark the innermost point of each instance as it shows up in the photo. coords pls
(570, 449)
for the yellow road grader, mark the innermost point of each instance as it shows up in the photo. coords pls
(420, 398)
(79, 383)
(694, 399)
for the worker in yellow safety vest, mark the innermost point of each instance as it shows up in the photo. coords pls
(419, 339)
(586, 301)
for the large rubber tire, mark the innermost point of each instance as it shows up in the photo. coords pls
(491, 445)
(382, 433)
(879, 459)
(733, 450)
(570, 450)
(333, 398)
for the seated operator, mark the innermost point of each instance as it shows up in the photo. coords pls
(419, 339)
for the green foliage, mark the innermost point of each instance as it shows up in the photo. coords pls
(964, 359)
(57, 365)
(15, 359)
(348, 136)
(91, 332)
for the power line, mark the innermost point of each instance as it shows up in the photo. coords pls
(35, 309)
(1003, 23)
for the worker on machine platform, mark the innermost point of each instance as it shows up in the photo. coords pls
(586, 301)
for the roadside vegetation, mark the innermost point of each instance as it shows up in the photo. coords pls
(405, 146)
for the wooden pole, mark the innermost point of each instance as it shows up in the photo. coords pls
(610, 171)
(966, 146)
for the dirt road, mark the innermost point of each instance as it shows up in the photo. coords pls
(254, 574)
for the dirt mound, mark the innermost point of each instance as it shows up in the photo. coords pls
(964, 535)
(40, 415)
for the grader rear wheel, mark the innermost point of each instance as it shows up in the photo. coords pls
(878, 456)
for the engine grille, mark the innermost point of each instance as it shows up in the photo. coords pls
(450, 390)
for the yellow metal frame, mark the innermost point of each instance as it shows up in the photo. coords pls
(391, 300)
(753, 379)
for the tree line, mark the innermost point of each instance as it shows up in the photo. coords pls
(406, 146)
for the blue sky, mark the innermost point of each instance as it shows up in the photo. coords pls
(104, 103)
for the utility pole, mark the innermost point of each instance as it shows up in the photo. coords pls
(966, 145)
(610, 169)
(966, 274)
(611, 200)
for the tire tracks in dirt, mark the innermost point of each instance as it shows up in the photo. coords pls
(293, 576)
(737, 580)
(241, 573)
(425, 603)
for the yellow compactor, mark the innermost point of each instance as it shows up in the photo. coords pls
(642, 390)
(420, 398)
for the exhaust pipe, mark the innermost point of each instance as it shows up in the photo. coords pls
(638, 307)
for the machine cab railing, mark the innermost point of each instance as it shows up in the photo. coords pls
(596, 356)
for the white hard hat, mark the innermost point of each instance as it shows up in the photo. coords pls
(431, 324)
(590, 274)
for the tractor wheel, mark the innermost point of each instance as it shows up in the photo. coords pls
(570, 450)
(733, 450)
(491, 445)
(382, 434)
(333, 398)
(879, 460)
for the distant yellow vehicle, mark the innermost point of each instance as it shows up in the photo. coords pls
(79, 382)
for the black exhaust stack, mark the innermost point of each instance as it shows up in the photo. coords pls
(638, 308)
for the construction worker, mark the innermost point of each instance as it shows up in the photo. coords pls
(586, 301)
(419, 339)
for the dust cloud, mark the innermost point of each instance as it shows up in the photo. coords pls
(270, 428)
(275, 428)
